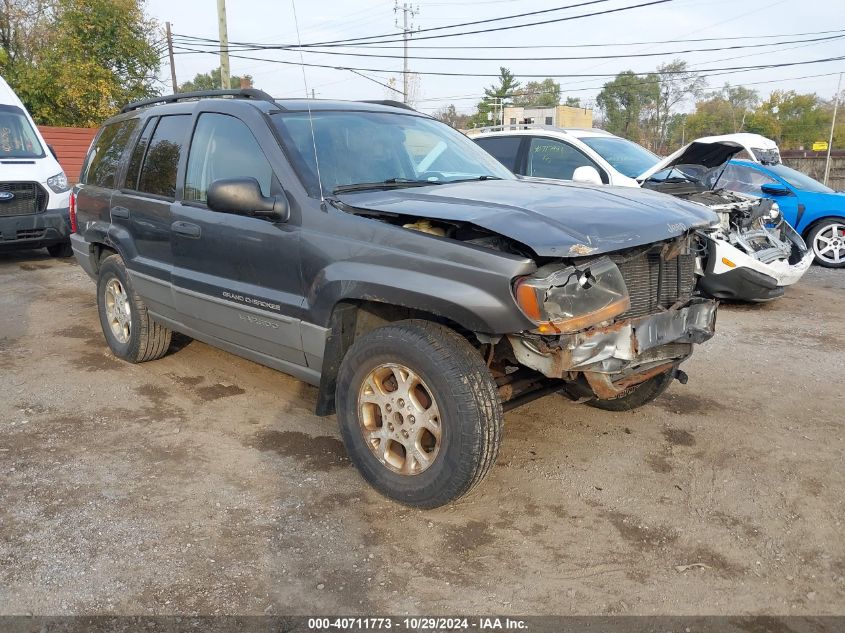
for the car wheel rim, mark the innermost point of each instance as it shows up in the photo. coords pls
(117, 310)
(829, 244)
(399, 419)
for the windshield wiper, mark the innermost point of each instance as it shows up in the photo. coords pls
(390, 183)
(474, 178)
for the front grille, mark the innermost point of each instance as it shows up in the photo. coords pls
(29, 198)
(652, 289)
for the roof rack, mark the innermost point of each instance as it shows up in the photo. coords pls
(242, 93)
(389, 102)
(515, 126)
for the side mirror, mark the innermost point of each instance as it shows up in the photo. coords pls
(242, 196)
(587, 174)
(775, 189)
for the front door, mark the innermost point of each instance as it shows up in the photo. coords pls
(235, 278)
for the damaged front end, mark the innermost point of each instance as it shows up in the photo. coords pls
(753, 253)
(607, 324)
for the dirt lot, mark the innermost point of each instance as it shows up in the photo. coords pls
(203, 483)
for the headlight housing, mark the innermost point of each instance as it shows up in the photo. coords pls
(58, 183)
(563, 300)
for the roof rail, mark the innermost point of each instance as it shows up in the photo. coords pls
(242, 93)
(514, 126)
(389, 102)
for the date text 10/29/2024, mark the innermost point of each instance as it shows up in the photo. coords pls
(417, 624)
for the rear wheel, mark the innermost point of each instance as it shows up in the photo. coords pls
(636, 396)
(62, 249)
(419, 412)
(827, 239)
(130, 331)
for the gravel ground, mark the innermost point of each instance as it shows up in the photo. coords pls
(203, 483)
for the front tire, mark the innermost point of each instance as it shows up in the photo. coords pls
(130, 331)
(638, 395)
(419, 412)
(827, 239)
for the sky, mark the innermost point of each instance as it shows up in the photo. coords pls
(272, 22)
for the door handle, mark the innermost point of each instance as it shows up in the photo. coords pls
(120, 212)
(186, 228)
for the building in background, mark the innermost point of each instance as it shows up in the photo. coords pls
(558, 116)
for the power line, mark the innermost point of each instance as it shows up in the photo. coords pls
(527, 76)
(500, 28)
(588, 57)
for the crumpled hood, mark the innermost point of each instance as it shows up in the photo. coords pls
(552, 219)
(712, 151)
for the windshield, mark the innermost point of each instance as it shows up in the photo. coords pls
(368, 148)
(17, 138)
(798, 180)
(624, 156)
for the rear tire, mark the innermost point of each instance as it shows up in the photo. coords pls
(638, 395)
(62, 249)
(419, 412)
(130, 331)
(827, 239)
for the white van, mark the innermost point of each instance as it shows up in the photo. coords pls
(34, 191)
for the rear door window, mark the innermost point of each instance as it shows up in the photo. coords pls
(549, 158)
(504, 149)
(158, 174)
(104, 157)
(138, 154)
(224, 147)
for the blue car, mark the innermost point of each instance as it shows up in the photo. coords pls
(817, 212)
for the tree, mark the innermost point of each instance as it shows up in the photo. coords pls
(723, 111)
(539, 94)
(496, 97)
(625, 103)
(792, 120)
(449, 115)
(573, 102)
(93, 57)
(675, 85)
(212, 81)
(22, 30)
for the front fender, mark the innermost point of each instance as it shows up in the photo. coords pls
(480, 303)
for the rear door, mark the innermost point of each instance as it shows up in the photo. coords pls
(236, 278)
(142, 207)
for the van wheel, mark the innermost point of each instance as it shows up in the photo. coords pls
(419, 412)
(827, 239)
(62, 249)
(638, 395)
(129, 330)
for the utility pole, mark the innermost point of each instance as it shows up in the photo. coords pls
(407, 29)
(170, 53)
(832, 125)
(224, 45)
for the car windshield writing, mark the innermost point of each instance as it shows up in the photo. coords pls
(17, 138)
(624, 156)
(360, 148)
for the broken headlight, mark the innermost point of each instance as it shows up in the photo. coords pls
(562, 300)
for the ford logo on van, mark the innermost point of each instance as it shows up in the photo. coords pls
(5, 196)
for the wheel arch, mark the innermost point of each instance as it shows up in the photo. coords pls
(828, 216)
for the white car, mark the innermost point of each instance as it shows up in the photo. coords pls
(751, 255)
(34, 191)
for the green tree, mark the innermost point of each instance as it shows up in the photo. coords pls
(495, 98)
(626, 102)
(573, 102)
(539, 94)
(723, 111)
(95, 56)
(792, 120)
(212, 81)
(676, 84)
(449, 115)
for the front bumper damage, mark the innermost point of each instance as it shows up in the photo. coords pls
(732, 273)
(618, 356)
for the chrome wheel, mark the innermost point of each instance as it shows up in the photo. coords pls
(829, 243)
(118, 314)
(399, 419)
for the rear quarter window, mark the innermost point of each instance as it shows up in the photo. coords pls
(106, 152)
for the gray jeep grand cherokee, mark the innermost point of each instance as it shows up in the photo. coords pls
(379, 254)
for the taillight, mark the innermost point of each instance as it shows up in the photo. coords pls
(72, 211)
